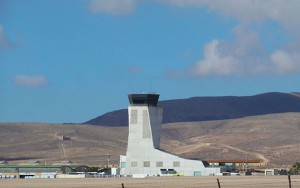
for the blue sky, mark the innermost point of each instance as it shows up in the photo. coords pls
(73, 60)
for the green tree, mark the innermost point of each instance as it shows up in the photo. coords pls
(295, 169)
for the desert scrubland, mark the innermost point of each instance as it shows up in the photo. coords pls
(274, 139)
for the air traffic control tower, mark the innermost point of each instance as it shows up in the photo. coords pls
(143, 156)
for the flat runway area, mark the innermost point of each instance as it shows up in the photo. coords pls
(203, 182)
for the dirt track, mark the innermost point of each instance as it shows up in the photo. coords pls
(174, 182)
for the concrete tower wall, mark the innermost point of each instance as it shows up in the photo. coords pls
(143, 154)
(144, 130)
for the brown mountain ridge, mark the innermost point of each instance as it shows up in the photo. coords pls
(212, 108)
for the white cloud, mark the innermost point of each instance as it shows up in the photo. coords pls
(5, 43)
(113, 7)
(285, 62)
(287, 13)
(214, 62)
(247, 54)
(30, 81)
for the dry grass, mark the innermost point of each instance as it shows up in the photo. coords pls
(273, 138)
(90, 145)
(190, 182)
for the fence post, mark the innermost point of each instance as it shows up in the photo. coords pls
(218, 183)
(290, 184)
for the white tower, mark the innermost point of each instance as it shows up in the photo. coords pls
(143, 155)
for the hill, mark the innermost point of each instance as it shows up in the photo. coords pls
(28, 142)
(212, 108)
(273, 138)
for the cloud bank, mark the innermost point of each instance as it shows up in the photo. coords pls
(286, 13)
(235, 60)
(247, 54)
(30, 81)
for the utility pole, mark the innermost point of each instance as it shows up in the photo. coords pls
(108, 159)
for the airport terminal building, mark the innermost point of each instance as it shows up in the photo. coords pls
(144, 156)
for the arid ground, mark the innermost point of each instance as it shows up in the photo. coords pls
(272, 138)
(173, 182)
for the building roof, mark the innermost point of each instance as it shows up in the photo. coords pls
(143, 99)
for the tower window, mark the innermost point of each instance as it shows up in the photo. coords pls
(133, 163)
(176, 164)
(159, 164)
(146, 163)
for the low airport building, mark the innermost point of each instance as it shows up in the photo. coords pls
(36, 171)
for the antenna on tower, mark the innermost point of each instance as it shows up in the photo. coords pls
(151, 91)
